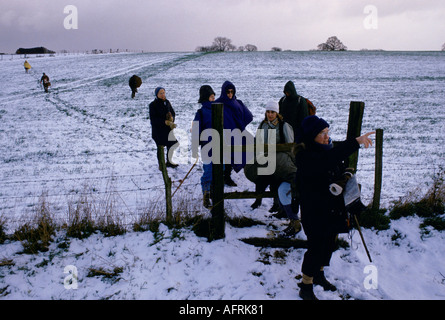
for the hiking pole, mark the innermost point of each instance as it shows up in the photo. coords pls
(363, 239)
(182, 181)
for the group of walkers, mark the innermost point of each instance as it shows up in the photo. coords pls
(300, 180)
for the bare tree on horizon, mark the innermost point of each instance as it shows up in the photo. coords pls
(332, 44)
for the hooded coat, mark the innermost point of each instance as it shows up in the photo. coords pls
(158, 114)
(135, 82)
(236, 116)
(293, 108)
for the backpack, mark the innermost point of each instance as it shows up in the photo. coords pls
(312, 110)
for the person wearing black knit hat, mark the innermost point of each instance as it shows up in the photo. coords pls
(205, 92)
(318, 165)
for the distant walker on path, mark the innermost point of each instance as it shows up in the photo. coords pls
(45, 81)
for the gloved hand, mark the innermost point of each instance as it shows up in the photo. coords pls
(171, 124)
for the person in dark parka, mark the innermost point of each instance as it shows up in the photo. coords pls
(293, 108)
(318, 165)
(236, 116)
(135, 82)
(162, 119)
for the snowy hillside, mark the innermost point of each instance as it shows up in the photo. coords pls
(179, 265)
(88, 137)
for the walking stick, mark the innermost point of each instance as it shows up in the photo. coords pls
(182, 181)
(363, 239)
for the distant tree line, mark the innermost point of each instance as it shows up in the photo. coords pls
(222, 44)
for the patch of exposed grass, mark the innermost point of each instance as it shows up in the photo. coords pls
(37, 234)
(430, 206)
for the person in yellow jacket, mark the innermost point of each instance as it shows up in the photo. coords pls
(27, 66)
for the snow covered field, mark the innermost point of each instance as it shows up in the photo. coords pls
(88, 136)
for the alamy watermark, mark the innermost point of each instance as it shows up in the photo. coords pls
(371, 281)
(371, 21)
(71, 21)
(70, 281)
(248, 148)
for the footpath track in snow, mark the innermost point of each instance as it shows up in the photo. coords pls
(80, 122)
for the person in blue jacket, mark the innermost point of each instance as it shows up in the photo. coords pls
(203, 118)
(236, 116)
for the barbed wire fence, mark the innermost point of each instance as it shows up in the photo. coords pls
(147, 196)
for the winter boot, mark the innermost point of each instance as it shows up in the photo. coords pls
(307, 291)
(281, 214)
(227, 176)
(259, 188)
(275, 206)
(257, 203)
(229, 182)
(169, 164)
(320, 279)
(206, 200)
(293, 228)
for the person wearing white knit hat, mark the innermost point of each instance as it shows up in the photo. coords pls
(272, 106)
(285, 170)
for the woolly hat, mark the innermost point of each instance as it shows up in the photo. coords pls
(204, 93)
(157, 91)
(272, 106)
(312, 126)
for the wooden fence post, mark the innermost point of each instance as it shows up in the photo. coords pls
(217, 225)
(356, 110)
(167, 183)
(378, 169)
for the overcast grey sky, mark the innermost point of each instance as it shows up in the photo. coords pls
(182, 25)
